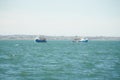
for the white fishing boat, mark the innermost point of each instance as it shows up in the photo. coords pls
(83, 40)
(40, 39)
(77, 39)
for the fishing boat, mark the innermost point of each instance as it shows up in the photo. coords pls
(83, 40)
(40, 39)
(77, 39)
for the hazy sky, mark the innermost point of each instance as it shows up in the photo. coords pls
(60, 17)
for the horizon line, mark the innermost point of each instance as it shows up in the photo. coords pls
(55, 35)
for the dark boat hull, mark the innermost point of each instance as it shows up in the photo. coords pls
(37, 40)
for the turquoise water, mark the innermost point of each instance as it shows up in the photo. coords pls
(59, 60)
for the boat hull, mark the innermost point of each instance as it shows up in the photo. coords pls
(37, 40)
(83, 41)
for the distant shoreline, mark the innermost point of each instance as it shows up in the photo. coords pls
(32, 37)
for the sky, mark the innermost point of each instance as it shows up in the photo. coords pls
(60, 17)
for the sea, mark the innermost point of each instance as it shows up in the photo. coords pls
(59, 60)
